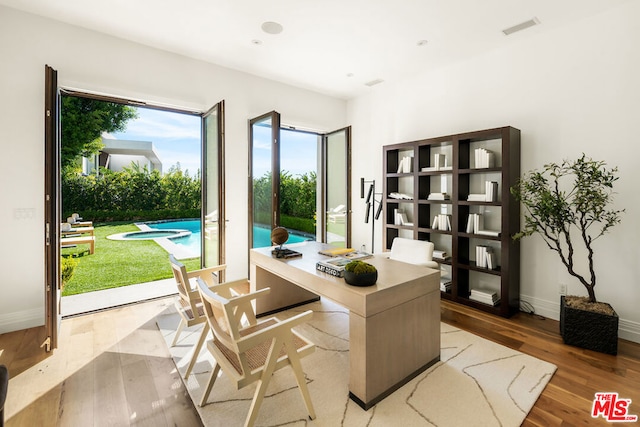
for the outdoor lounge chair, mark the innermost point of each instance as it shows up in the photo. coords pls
(79, 240)
(337, 214)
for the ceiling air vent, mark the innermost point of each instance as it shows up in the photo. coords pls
(521, 26)
(374, 82)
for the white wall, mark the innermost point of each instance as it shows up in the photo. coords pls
(569, 90)
(90, 61)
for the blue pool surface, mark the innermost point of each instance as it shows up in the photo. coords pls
(261, 235)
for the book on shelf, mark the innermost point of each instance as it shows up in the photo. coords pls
(439, 164)
(485, 257)
(404, 164)
(475, 226)
(438, 254)
(438, 196)
(492, 233)
(400, 218)
(485, 296)
(483, 158)
(441, 222)
(401, 196)
(491, 191)
(477, 197)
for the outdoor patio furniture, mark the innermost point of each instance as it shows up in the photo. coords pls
(79, 240)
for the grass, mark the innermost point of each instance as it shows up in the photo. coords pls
(118, 263)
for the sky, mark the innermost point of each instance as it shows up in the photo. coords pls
(176, 138)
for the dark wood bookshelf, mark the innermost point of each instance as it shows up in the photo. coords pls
(461, 178)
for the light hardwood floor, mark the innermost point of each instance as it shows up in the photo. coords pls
(113, 368)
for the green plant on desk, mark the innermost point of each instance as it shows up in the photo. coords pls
(360, 267)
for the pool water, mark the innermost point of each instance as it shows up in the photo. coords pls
(261, 235)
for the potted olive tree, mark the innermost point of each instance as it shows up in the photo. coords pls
(567, 204)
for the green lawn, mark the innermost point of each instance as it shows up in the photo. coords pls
(118, 263)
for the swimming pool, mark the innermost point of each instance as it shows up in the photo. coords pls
(261, 235)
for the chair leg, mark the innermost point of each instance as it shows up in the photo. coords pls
(212, 379)
(263, 382)
(296, 366)
(181, 327)
(196, 351)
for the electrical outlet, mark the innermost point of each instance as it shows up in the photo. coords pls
(563, 289)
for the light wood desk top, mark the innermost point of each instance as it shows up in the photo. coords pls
(397, 281)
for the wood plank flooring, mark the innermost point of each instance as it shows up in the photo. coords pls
(113, 369)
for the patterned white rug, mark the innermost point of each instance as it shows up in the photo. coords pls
(477, 382)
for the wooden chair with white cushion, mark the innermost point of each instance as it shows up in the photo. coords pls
(248, 350)
(189, 305)
(419, 252)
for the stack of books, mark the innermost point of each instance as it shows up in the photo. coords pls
(445, 284)
(439, 164)
(484, 158)
(442, 222)
(438, 196)
(404, 165)
(485, 296)
(475, 226)
(485, 257)
(490, 194)
(400, 218)
(341, 257)
(439, 255)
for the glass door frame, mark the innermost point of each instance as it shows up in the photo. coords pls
(218, 109)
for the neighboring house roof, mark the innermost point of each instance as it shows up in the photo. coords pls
(132, 148)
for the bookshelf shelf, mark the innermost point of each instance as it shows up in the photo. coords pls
(453, 165)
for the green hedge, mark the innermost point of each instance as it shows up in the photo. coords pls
(132, 194)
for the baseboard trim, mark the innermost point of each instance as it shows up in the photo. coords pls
(627, 329)
(19, 320)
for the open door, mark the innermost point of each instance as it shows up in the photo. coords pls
(213, 188)
(264, 176)
(337, 187)
(51, 209)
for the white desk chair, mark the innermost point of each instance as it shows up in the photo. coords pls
(419, 252)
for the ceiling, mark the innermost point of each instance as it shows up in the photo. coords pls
(336, 47)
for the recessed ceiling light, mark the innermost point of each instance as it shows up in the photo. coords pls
(350, 74)
(422, 42)
(522, 26)
(271, 27)
(256, 41)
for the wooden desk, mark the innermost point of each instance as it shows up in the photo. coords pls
(394, 325)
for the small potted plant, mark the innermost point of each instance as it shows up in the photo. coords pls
(567, 204)
(360, 273)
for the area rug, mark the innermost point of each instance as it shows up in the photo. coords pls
(477, 382)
